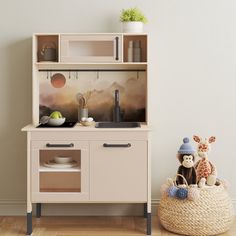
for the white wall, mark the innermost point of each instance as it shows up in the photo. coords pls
(192, 77)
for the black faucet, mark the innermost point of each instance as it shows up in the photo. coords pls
(116, 110)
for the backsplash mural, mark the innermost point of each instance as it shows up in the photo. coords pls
(100, 93)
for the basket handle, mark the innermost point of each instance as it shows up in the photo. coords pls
(175, 179)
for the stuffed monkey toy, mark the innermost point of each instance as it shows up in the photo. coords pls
(186, 158)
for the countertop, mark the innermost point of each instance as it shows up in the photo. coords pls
(79, 127)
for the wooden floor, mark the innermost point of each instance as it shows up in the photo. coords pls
(85, 226)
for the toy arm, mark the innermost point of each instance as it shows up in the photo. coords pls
(213, 169)
(181, 172)
(196, 165)
(211, 179)
(194, 176)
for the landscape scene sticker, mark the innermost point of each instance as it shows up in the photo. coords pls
(100, 101)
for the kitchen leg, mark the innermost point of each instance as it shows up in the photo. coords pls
(149, 223)
(29, 203)
(29, 223)
(145, 210)
(38, 210)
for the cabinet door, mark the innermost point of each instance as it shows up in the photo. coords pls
(90, 48)
(118, 171)
(52, 183)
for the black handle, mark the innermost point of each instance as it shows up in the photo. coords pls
(117, 145)
(60, 145)
(117, 48)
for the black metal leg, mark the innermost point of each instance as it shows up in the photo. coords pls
(149, 224)
(29, 223)
(145, 210)
(38, 210)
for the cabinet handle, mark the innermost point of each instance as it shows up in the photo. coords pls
(117, 48)
(117, 145)
(60, 145)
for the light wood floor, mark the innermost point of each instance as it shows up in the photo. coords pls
(85, 226)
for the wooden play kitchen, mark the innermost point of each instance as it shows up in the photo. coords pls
(109, 161)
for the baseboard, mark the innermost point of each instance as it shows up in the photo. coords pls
(18, 208)
(12, 207)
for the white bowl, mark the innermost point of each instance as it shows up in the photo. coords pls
(63, 160)
(56, 122)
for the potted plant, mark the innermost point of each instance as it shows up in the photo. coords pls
(133, 20)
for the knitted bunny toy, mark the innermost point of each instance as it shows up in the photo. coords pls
(206, 171)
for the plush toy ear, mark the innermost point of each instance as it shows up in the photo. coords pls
(212, 139)
(196, 138)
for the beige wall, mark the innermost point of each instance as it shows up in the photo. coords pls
(192, 76)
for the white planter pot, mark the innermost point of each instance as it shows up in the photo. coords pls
(133, 27)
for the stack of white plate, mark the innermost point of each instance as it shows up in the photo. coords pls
(61, 162)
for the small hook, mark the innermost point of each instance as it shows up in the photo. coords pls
(50, 74)
(47, 74)
(97, 74)
(69, 74)
(76, 75)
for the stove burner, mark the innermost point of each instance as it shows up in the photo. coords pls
(65, 125)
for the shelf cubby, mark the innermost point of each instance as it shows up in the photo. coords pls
(47, 41)
(143, 46)
(60, 181)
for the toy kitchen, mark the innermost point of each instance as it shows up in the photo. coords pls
(89, 141)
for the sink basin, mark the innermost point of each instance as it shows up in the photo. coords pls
(117, 125)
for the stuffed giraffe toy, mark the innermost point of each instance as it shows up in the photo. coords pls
(206, 171)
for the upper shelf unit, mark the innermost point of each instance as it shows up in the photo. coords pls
(108, 48)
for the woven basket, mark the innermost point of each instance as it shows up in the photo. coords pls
(212, 213)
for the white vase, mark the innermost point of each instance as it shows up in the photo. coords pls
(82, 112)
(133, 27)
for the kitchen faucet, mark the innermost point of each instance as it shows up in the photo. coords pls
(116, 110)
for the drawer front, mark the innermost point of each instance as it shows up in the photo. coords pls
(118, 171)
(90, 48)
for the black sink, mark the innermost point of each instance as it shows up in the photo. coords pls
(117, 125)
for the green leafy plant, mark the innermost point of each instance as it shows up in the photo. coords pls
(132, 14)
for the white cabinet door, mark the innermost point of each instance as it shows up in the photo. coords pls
(118, 171)
(90, 48)
(50, 183)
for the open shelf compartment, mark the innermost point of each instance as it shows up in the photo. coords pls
(60, 182)
(47, 48)
(141, 40)
(59, 179)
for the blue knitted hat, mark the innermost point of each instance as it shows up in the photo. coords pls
(186, 148)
